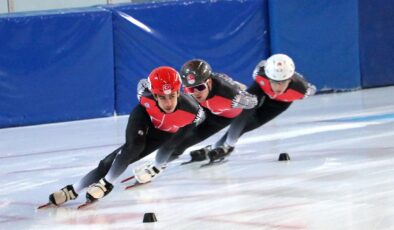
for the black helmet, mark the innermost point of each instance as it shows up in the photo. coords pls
(195, 72)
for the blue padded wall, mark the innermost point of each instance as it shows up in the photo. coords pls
(56, 66)
(376, 42)
(230, 35)
(85, 63)
(321, 36)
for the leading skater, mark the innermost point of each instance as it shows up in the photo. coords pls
(276, 86)
(162, 118)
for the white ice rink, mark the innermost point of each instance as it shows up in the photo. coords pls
(341, 173)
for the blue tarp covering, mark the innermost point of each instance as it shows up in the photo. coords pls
(377, 42)
(56, 66)
(322, 37)
(85, 63)
(230, 35)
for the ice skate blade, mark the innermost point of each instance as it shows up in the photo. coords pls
(86, 204)
(44, 205)
(136, 184)
(127, 179)
(213, 163)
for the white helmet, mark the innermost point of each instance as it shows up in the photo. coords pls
(279, 67)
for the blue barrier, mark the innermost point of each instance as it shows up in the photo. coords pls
(322, 37)
(376, 42)
(56, 66)
(65, 65)
(230, 35)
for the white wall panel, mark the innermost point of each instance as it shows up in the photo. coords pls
(29, 5)
(3, 6)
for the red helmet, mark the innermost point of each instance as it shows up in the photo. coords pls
(164, 80)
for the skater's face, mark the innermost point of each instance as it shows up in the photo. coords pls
(279, 87)
(168, 102)
(200, 92)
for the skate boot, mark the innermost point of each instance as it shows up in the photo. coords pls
(219, 153)
(147, 173)
(63, 195)
(98, 190)
(198, 155)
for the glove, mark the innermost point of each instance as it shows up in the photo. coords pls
(142, 86)
(244, 100)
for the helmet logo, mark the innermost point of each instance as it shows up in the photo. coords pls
(279, 67)
(191, 79)
(167, 89)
